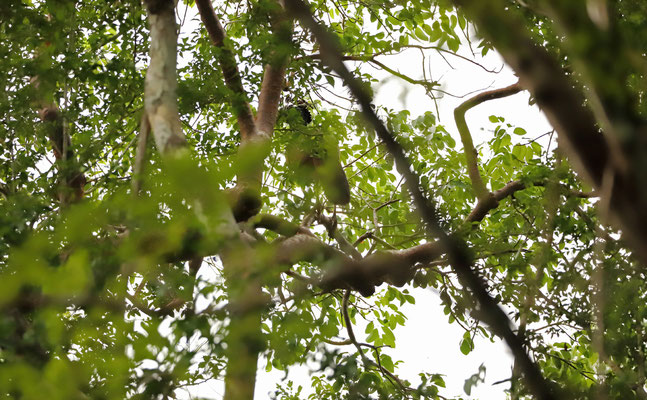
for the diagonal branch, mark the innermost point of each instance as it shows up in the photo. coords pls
(229, 69)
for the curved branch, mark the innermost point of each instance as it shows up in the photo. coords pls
(471, 156)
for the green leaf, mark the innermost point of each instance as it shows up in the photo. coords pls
(388, 337)
(420, 34)
(466, 345)
(519, 131)
(387, 362)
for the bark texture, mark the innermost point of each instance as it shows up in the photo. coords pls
(161, 78)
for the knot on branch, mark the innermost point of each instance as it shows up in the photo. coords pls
(245, 201)
(159, 6)
(483, 206)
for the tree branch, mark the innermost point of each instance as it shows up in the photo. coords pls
(140, 156)
(71, 179)
(274, 75)
(229, 69)
(161, 78)
(471, 156)
(330, 223)
(490, 202)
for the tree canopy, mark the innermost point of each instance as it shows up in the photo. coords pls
(220, 174)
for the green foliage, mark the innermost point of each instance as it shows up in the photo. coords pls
(100, 299)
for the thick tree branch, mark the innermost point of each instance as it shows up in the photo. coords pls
(161, 78)
(458, 255)
(268, 101)
(342, 271)
(244, 335)
(140, 155)
(471, 156)
(229, 69)
(274, 75)
(395, 267)
(245, 198)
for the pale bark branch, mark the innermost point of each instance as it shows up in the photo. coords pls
(160, 92)
(140, 155)
(274, 74)
(268, 101)
(254, 133)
